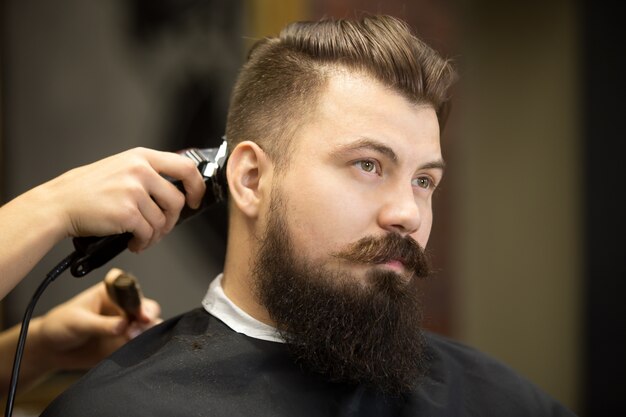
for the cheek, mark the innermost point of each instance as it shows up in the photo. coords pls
(325, 218)
(426, 224)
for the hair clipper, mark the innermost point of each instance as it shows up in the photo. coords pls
(93, 252)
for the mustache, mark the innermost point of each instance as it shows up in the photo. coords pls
(377, 250)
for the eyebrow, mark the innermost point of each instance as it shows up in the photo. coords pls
(367, 143)
(438, 164)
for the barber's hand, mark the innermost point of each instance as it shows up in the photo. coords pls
(124, 193)
(82, 331)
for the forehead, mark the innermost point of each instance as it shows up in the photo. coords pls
(353, 107)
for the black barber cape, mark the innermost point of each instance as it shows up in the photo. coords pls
(194, 365)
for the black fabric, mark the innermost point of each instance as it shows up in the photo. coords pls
(194, 365)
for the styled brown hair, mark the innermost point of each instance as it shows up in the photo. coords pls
(277, 89)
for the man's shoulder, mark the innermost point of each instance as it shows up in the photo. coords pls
(194, 364)
(191, 326)
(454, 354)
(479, 381)
(172, 359)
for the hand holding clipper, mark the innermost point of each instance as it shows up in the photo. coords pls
(94, 251)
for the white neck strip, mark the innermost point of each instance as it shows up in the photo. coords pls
(219, 305)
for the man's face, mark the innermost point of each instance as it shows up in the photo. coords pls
(366, 165)
(342, 249)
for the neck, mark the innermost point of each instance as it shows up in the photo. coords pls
(238, 282)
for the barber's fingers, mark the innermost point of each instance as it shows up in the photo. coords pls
(166, 201)
(150, 311)
(93, 324)
(183, 169)
(156, 207)
(148, 226)
(170, 200)
(141, 227)
(159, 210)
(148, 317)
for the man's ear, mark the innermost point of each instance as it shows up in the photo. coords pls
(248, 170)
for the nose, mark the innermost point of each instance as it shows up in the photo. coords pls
(400, 213)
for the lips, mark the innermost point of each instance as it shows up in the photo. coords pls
(396, 264)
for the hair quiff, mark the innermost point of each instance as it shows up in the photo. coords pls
(278, 87)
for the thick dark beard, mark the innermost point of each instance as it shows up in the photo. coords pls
(335, 326)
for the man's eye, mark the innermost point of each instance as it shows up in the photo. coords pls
(424, 182)
(367, 165)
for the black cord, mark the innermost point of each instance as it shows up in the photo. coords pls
(19, 352)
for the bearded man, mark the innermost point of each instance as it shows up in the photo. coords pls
(333, 132)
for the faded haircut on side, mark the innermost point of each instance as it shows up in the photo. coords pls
(278, 87)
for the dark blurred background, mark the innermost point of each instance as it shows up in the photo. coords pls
(528, 238)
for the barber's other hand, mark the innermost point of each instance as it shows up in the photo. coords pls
(123, 193)
(87, 328)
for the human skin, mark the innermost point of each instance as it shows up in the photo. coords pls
(74, 335)
(122, 193)
(366, 163)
